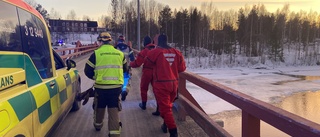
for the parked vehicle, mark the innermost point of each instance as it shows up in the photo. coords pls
(60, 43)
(37, 89)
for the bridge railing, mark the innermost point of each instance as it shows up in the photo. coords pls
(253, 111)
(77, 51)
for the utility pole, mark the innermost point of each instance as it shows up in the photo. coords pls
(138, 28)
(126, 23)
(171, 30)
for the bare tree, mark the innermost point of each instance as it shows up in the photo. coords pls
(114, 5)
(159, 7)
(54, 14)
(122, 16)
(104, 21)
(86, 18)
(152, 7)
(72, 15)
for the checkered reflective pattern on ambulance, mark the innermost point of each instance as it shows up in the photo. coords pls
(45, 98)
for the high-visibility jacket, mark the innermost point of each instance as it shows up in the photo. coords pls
(108, 68)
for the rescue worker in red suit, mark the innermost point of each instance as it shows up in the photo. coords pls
(167, 63)
(146, 77)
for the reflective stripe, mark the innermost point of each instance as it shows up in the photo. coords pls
(107, 86)
(90, 64)
(107, 66)
(114, 132)
(97, 124)
(110, 78)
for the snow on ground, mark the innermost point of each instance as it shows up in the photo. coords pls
(264, 84)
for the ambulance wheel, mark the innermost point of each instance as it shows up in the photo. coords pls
(77, 104)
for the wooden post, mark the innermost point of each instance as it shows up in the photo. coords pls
(181, 89)
(78, 44)
(250, 125)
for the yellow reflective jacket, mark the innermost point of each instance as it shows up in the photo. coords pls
(109, 66)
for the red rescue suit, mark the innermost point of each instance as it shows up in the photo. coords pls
(146, 77)
(167, 64)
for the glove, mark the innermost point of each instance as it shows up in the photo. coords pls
(81, 96)
(86, 95)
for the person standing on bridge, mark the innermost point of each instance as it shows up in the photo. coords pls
(167, 63)
(128, 53)
(106, 66)
(146, 77)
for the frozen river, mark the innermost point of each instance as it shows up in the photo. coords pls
(295, 89)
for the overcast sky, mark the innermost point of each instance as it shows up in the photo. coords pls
(96, 8)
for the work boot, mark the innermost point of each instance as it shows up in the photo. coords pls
(124, 95)
(143, 105)
(164, 128)
(156, 113)
(97, 129)
(173, 132)
(120, 124)
(97, 126)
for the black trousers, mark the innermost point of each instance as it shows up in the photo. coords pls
(108, 97)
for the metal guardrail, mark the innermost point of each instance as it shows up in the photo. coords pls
(253, 110)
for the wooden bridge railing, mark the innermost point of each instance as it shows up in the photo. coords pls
(253, 110)
(78, 50)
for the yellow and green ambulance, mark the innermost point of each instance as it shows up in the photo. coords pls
(37, 88)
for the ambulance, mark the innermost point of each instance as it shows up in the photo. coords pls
(37, 88)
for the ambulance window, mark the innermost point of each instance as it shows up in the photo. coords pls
(9, 28)
(58, 61)
(35, 42)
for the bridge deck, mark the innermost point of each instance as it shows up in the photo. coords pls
(136, 122)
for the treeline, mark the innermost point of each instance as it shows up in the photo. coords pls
(250, 31)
